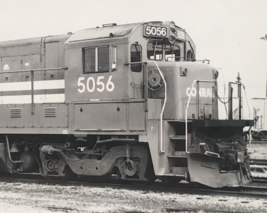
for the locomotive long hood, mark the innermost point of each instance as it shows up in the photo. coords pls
(103, 32)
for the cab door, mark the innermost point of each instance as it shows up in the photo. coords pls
(136, 75)
(136, 89)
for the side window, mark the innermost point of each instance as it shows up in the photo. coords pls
(114, 58)
(154, 51)
(190, 55)
(136, 56)
(96, 59)
(172, 53)
(103, 59)
(89, 60)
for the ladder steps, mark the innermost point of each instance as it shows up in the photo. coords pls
(179, 170)
(175, 156)
(177, 137)
(174, 175)
(178, 154)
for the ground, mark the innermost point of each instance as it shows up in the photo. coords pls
(32, 198)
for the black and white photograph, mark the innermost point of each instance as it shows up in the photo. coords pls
(119, 106)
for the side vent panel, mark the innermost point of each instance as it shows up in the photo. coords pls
(50, 112)
(15, 112)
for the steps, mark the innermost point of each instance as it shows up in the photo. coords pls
(177, 137)
(177, 156)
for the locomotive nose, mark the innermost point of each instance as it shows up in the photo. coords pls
(179, 78)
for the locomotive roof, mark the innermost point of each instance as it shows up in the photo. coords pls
(110, 31)
(103, 32)
(87, 34)
(38, 40)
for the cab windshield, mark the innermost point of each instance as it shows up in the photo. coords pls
(158, 51)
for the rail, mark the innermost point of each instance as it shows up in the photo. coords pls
(187, 105)
(32, 79)
(164, 101)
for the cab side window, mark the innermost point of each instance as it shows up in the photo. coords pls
(103, 59)
(136, 56)
(190, 55)
(96, 59)
(89, 60)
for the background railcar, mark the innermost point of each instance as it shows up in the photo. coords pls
(128, 100)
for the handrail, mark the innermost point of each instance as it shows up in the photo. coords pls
(164, 102)
(34, 70)
(187, 105)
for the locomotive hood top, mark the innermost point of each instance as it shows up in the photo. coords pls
(103, 32)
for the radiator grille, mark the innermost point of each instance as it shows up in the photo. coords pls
(50, 112)
(15, 112)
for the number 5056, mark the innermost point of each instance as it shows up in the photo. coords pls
(156, 31)
(90, 84)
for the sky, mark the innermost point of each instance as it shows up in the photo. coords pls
(227, 32)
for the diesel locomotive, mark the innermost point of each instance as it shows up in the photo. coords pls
(129, 101)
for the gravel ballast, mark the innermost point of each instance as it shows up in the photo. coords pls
(32, 198)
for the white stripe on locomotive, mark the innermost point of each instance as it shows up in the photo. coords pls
(38, 85)
(26, 86)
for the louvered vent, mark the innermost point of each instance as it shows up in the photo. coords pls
(15, 112)
(50, 112)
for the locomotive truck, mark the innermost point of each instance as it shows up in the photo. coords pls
(129, 101)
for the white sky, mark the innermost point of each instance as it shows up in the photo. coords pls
(225, 31)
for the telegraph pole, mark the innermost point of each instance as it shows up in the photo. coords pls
(265, 39)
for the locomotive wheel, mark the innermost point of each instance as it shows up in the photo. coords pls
(130, 168)
(117, 173)
(51, 166)
(171, 180)
(150, 174)
(69, 174)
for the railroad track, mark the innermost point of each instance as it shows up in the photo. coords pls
(256, 189)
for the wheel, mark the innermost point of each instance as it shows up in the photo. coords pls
(116, 173)
(69, 174)
(171, 180)
(150, 174)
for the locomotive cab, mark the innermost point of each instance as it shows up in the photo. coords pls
(193, 143)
